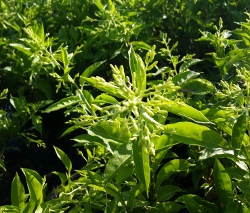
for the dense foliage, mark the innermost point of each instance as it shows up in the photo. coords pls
(124, 106)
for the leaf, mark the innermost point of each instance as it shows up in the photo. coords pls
(223, 184)
(193, 206)
(9, 209)
(120, 158)
(102, 85)
(65, 58)
(34, 186)
(166, 192)
(194, 202)
(238, 132)
(184, 67)
(2, 164)
(198, 86)
(140, 45)
(87, 139)
(142, 167)
(237, 173)
(113, 191)
(64, 158)
(22, 48)
(183, 77)
(219, 153)
(182, 109)
(195, 134)
(104, 99)
(244, 185)
(138, 71)
(170, 168)
(236, 208)
(63, 103)
(168, 207)
(89, 71)
(18, 196)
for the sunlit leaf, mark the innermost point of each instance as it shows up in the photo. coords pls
(18, 196)
(223, 184)
(63, 103)
(142, 166)
(195, 134)
(120, 157)
(35, 187)
(64, 158)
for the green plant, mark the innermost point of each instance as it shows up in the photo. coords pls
(157, 134)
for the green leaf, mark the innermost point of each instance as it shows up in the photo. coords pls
(193, 206)
(244, 185)
(223, 184)
(89, 71)
(65, 58)
(162, 147)
(2, 164)
(114, 191)
(166, 192)
(64, 158)
(197, 204)
(184, 77)
(63, 103)
(120, 158)
(34, 186)
(22, 48)
(138, 71)
(238, 132)
(18, 196)
(195, 134)
(9, 209)
(87, 139)
(104, 99)
(198, 86)
(182, 109)
(102, 85)
(237, 173)
(170, 168)
(167, 207)
(184, 67)
(236, 208)
(140, 45)
(142, 166)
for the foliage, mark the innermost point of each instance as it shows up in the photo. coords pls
(156, 133)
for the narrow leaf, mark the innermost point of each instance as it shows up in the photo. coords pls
(114, 191)
(63, 103)
(223, 184)
(22, 48)
(138, 71)
(142, 167)
(88, 72)
(238, 132)
(18, 196)
(64, 158)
